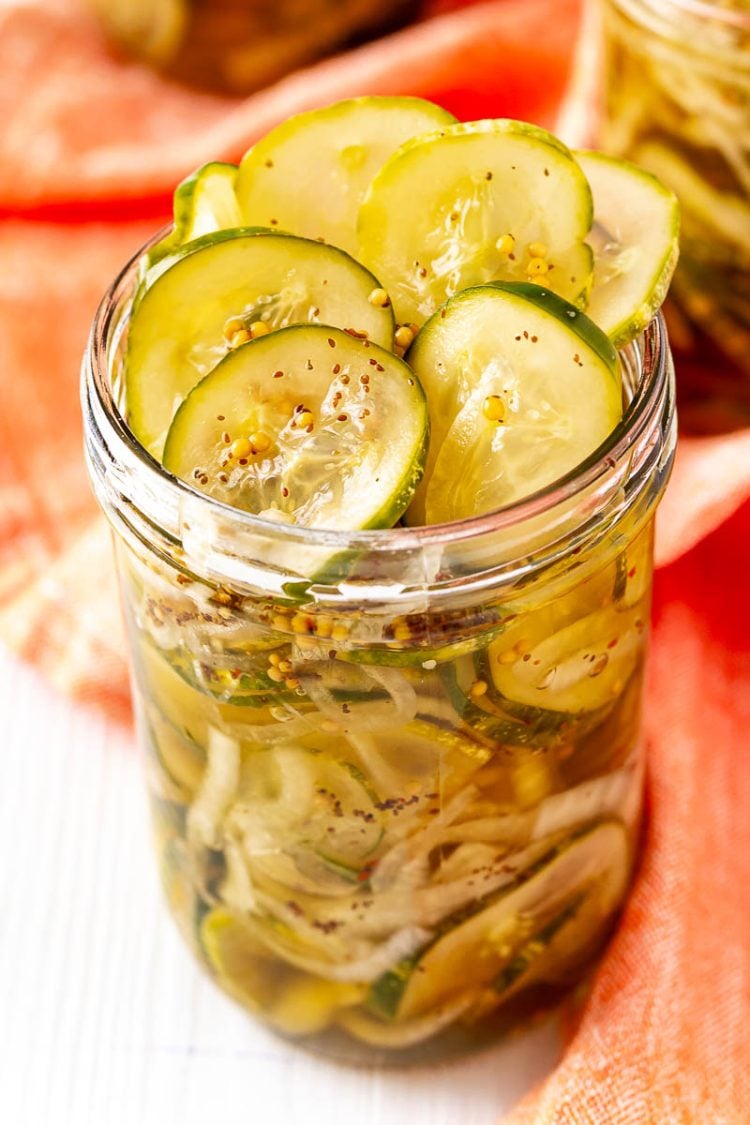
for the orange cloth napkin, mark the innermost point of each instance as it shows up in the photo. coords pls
(90, 149)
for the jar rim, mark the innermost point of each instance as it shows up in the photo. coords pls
(113, 451)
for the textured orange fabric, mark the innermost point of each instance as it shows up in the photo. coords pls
(84, 138)
(110, 135)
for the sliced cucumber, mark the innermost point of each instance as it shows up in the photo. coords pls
(475, 203)
(398, 1035)
(190, 710)
(294, 1002)
(230, 678)
(343, 429)
(521, 387)
(293, 800)
(499, 720)
(180, 758)
(580, 667)
(636, 244)
(476, 950)
(204, 202)
(180, 326)
(309, 174)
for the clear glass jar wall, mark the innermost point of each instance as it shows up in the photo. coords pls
(677, 101)
(395, 775)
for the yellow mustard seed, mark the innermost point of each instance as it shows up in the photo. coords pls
(339, 633)
(275, 675)
(379, 298)
(241, 336)
(478, 688)
(305, 419)
(285, 666)
(233, 325)
(506, 244)
(493, 408)
(259, 328)
(291, 683)
(301, 623)
(404, 336)
(240, 448)
(401, 632)
(538, 249)
(323, 626)
(537, 267)
(259, 441)
(274, 659)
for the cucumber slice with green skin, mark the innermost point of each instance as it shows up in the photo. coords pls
(431, 220)
(181, 759)
(502, 721)
(579, 668)
(291, 799)
(548, 373)
(475, 951)
(309, 174)
(177, 332)
(636, 244)
(353, 462)
(222, 680)
(203, 203)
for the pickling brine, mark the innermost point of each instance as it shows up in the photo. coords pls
(393, 826)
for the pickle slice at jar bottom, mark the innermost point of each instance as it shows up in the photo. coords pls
(474, 953)
(293, 1002)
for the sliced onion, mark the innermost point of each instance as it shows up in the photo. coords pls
(383, 956)
(597, 799)
(321, 678)
(216, 790)
(391, 865)
(237, 887)
(271, 734)
(304, 872)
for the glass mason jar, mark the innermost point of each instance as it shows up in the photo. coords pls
(242, 45)
(677, 101)
(395, 775)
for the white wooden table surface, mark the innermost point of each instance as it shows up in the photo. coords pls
(104, 1017)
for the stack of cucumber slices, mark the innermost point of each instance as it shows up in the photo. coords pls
(383, 314)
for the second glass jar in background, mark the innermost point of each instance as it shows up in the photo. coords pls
(677, 101)
(241, 45)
